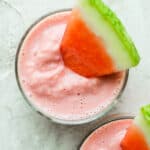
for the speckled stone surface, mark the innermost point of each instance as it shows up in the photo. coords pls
(21, 128)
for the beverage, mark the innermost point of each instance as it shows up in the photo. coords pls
(52, 88)
(108, 136)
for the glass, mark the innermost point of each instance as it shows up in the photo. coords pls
(58, 120)
(106, 121)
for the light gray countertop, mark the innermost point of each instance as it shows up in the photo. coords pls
(21, 128)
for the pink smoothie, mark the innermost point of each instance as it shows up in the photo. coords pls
(107, 137)
(50, 86)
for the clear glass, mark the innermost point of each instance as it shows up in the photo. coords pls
(106, 121)
(58, 120)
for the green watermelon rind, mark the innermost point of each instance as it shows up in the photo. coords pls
(115, 24)
(146, 113)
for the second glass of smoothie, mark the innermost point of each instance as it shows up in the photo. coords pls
(109, 135)
(52, 88)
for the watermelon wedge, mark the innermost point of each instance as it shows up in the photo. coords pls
(138, 135)
(95, 42)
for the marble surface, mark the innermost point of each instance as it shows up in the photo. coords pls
(21, 128)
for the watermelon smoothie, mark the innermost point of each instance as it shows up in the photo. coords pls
(108, 136)
(52, 88)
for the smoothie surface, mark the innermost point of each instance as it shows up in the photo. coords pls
(107, 137)
(50, 86)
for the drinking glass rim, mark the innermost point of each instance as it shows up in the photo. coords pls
(109, 119)
(55, 119)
